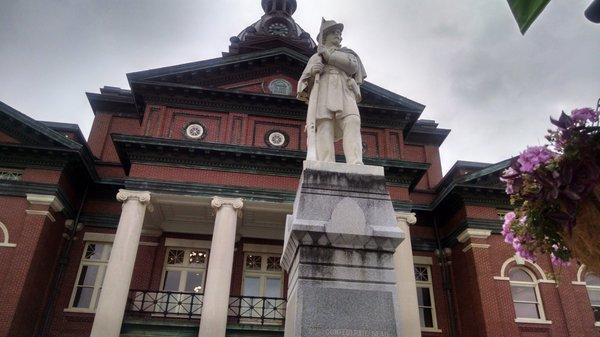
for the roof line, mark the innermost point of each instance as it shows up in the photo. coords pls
(39, 126)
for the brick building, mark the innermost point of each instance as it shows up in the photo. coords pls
(197, 165)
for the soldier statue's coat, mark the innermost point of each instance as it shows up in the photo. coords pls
(339, 85)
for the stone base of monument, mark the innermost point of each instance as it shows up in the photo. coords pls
(338, 250)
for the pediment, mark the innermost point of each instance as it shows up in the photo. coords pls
(18, 129)
(5, 138)
(244, 72)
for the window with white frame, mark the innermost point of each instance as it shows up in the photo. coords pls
(185, 270)
(263, 276)
(425, 296)
(90, 276)
(592, 283)
(525, 294)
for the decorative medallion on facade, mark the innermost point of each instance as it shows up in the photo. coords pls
(280, 87)
(195, 131)
(276, 138)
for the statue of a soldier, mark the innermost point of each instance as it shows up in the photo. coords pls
(330, 84)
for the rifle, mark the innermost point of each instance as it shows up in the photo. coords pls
(311, 120)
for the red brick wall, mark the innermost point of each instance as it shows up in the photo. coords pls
(180, 174)
(35, 175)
(27, 269)
(104, 124)
(486, 306)
(4, 138)
(98, 133)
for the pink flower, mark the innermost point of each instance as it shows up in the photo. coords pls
(583, 115)
(533, 157)
(509, 217)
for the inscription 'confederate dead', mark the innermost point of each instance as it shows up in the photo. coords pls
(350, 332)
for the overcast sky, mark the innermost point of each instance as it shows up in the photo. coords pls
(464, 59)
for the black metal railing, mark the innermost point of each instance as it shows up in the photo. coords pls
(258, 310)
(244, 309)
(165, 303)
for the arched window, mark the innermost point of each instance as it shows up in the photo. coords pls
(525, 294)
(592, 283)
(4, 237)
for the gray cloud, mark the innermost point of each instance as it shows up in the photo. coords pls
(465, 59)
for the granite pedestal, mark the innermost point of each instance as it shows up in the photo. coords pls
(338, 250)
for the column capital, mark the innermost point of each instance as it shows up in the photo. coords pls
(142, 196)
(236, 203)
(408, 217)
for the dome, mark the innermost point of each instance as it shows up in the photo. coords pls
(276, 28)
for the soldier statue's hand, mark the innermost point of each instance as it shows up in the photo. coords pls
(317, 68)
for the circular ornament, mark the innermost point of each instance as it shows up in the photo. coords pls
(280, 87)
(276, 139)
(195, 131)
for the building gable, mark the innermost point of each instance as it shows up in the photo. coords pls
(27, 131)
(5, 138)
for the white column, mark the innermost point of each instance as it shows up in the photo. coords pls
(111, 306)
(213, 321)
(405, 279)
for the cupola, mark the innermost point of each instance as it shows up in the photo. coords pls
(276, 28)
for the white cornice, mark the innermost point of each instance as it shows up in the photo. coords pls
(473, 233)
(46, 200)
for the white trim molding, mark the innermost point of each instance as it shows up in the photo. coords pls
(5, 242)
(532, 321)
(106, 237)
(46, 200)
(475, 245)
(521, 262)
(422, 260)
(267, 249)
(473, 233)
(42, 213)
(581, 273)
(187, 243)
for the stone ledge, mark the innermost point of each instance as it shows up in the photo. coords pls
(343, 168)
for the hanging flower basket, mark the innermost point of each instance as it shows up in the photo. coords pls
(584, 241)
(555, 190)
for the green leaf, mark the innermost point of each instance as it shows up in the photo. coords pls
(526, 11)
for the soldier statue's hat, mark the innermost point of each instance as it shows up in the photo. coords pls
(327, 25)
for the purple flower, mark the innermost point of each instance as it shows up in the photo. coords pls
(557, 261)
(517, 244)
(583, 115)
(508, 235)
(508, 177)
(509, 217)
(533, 157)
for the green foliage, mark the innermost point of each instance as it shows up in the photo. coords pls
(526, 11)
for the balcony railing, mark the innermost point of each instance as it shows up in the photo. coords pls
(260, 310)
(165, 303)
(243, 309)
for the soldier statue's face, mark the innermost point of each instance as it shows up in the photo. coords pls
(334, 38)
